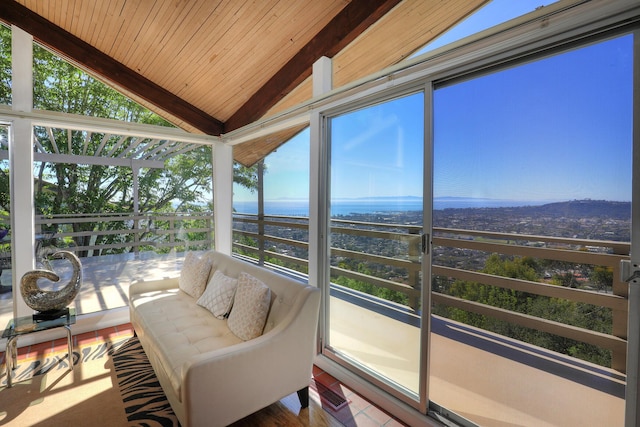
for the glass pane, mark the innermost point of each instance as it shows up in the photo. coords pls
(125, 222)
(128, 206)
(532, 187)
(5, 65)
(271, 207)
(6, 286)
(6, 291)
(376, 223)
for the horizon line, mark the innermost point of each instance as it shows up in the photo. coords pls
(439, 198)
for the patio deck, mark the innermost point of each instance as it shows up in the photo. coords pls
(106, 279)
(484, 377)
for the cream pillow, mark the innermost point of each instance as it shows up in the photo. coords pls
(218, 296)
(194, 274)
(250, 307)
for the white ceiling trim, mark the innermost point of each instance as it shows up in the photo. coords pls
(141, 145)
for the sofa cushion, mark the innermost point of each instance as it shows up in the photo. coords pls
(250, 307)
(175, 331)
(218, 296)
(194, 274)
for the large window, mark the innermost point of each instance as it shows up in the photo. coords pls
(522, 228)
(6, 285)
(271, 206)
(532, 215)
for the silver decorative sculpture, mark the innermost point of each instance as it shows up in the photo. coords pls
(51, 301)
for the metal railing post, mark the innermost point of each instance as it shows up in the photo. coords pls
(136, 236)
(261, 212)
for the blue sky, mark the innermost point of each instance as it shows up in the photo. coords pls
(494, 13)
(287, 175)
(562, 126)
(378, 151)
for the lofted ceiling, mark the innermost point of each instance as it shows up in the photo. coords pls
(213, 66)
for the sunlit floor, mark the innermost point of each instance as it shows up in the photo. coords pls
(106, 279)
(356, 411)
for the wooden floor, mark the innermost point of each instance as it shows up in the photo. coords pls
(357, 411)
(287, 412)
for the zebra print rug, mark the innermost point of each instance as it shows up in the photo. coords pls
(43, 385)
(144, 400)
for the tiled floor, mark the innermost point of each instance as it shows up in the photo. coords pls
(357, 411)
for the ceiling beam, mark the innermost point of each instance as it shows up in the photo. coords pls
(70, 47)
(352, 21)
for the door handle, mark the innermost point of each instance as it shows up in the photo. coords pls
(425, 243)
(629, 273)
(634, 276)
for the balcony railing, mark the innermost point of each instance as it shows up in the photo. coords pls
(102, 234)
(283, 240)
(272, 239)
(115, 249)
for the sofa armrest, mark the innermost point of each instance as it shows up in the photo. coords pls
(230, 383)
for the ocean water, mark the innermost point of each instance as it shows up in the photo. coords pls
(359, 206)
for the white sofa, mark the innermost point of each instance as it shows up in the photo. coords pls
(209, 375)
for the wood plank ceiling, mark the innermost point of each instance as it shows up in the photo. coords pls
(214, 66)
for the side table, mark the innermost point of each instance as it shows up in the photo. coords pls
(30, 324)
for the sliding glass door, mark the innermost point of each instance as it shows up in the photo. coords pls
(532, 216)
(478, 231)
(376, 219)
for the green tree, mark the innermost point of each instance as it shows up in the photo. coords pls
(556, 309)
(602, 277)
(568, 280)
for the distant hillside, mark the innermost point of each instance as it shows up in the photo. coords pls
(578, 209)
(585, 208)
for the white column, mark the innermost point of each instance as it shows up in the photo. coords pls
(322, 82)
(21, 164)
(223, 196)
(135, 171)
(322, 76)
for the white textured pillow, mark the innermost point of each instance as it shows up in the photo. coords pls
(250, 307)
(218, 297)
(194, 274)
